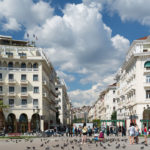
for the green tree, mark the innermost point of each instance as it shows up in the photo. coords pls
(2, 106)
(114, 115)
(97, 122)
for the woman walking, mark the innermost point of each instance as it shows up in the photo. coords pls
(84, 132)
(145, 134)
(132, 133)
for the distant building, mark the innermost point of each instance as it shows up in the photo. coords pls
(64, 104)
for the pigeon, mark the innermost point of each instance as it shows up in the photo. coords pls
(142, 147)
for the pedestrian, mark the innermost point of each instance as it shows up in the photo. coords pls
(132, 133)
(89, 131)
(107, 131)
(76, 131)
(145, 134)
(84, 132)
(67, 131)
(136, 133)
(101, 136)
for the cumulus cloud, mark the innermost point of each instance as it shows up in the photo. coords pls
(65, 76)
(25, 13)
(76, 42)
(80, 42)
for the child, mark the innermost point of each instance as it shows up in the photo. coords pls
(101, 136)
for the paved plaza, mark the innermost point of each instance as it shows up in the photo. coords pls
(72, 143)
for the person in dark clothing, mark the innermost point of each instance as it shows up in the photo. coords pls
(76, 131)
(89, 131)
(108, 132)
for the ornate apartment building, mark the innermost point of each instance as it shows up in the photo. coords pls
(131, 95)
(133, 84)
(27, 87)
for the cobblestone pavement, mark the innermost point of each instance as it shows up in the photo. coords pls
(72, 143)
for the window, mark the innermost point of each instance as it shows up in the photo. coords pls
(114, 100)
(23, 77)
(23, 89)
(11, 77)
(114, 108)
(11, 102)
(35, 77)
(35, 102)
(10, 64)
(147, 79)
(36, 89)
(24, 102)
(23, 65)
(11, 89)
(9, 53)
(145, 50)
(35, 65)
(147, 94)
(1, 89)
(1, 76)
(22, 54)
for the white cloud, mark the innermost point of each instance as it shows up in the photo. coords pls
(65, 76)
(12, 25)
(77, 42)
(81, 43)
(131, 10)
(24, 12)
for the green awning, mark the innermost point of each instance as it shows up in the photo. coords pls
(147, 64)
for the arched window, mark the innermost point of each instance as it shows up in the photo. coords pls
(35, 65)
(23, 65)
(10, 64)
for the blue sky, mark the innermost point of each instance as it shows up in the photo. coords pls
(86, 40)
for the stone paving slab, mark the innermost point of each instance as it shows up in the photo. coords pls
(72, 143)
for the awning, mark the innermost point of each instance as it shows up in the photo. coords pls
(147, 64)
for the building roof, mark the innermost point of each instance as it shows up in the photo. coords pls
(143, 38)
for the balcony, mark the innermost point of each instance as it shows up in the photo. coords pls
(57, 92)
(2, 93)
(146, 70)
(24, 82)
(11, 81)
(57, 99)
(45, 95)
(146, 85)
(12, 94)
(24, 94)
(18, 69)
(45, 83)
(1, 81)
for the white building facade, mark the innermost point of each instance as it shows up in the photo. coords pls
(27, 86)
(64, 104)
(133, 84)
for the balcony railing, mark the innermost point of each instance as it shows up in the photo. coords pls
(24, 81)
(18, 69)
(11, 81)
(1, 93)
(12, 94)
(24, 94)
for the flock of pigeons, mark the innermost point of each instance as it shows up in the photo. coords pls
(65, 143)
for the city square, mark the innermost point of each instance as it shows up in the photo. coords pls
(72, 143)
